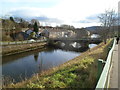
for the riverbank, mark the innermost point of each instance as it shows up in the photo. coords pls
(15, 49)
(80, 72)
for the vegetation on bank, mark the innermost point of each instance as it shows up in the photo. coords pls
(81, 72)
(14, 49)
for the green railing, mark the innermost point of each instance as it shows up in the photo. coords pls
(103, 81)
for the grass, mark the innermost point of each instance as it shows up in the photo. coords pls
(81, 72)
(13, 49)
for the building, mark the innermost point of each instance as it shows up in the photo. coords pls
(60, 33)
(95, 36)
(82, 33)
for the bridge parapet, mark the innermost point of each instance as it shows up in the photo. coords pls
(83, 40)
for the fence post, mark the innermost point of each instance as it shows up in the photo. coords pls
(109, 48)
(22, 42)
(100, 67)
(8, 43)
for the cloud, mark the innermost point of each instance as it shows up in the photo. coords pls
(35, 13)
(26, 12)
(84, 21)
(26, 1)
(93, 17)
(73, 12)
(47, 19)
(89, 19)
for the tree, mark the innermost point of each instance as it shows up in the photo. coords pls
(11, 18)
(23, 23)
(35, 26)
(64, 26)
(11, 26)
(0, 29)
(17, 19)
(81, 33)
(33, 21)
(7, 26)
(108, 20)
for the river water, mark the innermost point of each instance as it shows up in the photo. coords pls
(24, 65)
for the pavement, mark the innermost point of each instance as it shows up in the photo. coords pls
(115, 71)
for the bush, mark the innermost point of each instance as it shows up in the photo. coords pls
(6, 38)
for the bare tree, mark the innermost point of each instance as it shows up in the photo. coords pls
(7, 26)
(64, 26)
(33, 21)
(108, 21)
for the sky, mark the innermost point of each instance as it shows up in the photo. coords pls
(79, 13)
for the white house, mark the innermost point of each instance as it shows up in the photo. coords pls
(95, 36)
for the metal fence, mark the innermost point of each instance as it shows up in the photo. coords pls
(22, 42)
(104, 79)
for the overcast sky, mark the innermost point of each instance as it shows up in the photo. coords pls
(79, 13)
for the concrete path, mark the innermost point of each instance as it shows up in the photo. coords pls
(115, 72)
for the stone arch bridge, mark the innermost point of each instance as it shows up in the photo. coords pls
(83, 42)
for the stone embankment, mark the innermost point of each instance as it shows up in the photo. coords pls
(19, 48)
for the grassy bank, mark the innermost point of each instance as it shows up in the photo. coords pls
(14, 49)
(81, 72)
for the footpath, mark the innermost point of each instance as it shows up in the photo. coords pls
(115, 70)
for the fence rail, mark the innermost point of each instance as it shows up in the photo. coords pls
(103, 81)
(22, 42)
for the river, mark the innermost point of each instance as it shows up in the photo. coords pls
(22, 66)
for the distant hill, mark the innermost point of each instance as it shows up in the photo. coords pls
(93, 28)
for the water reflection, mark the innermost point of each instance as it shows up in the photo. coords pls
(92, 45)
(41, 61)
(36, 56)
(11, 58)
